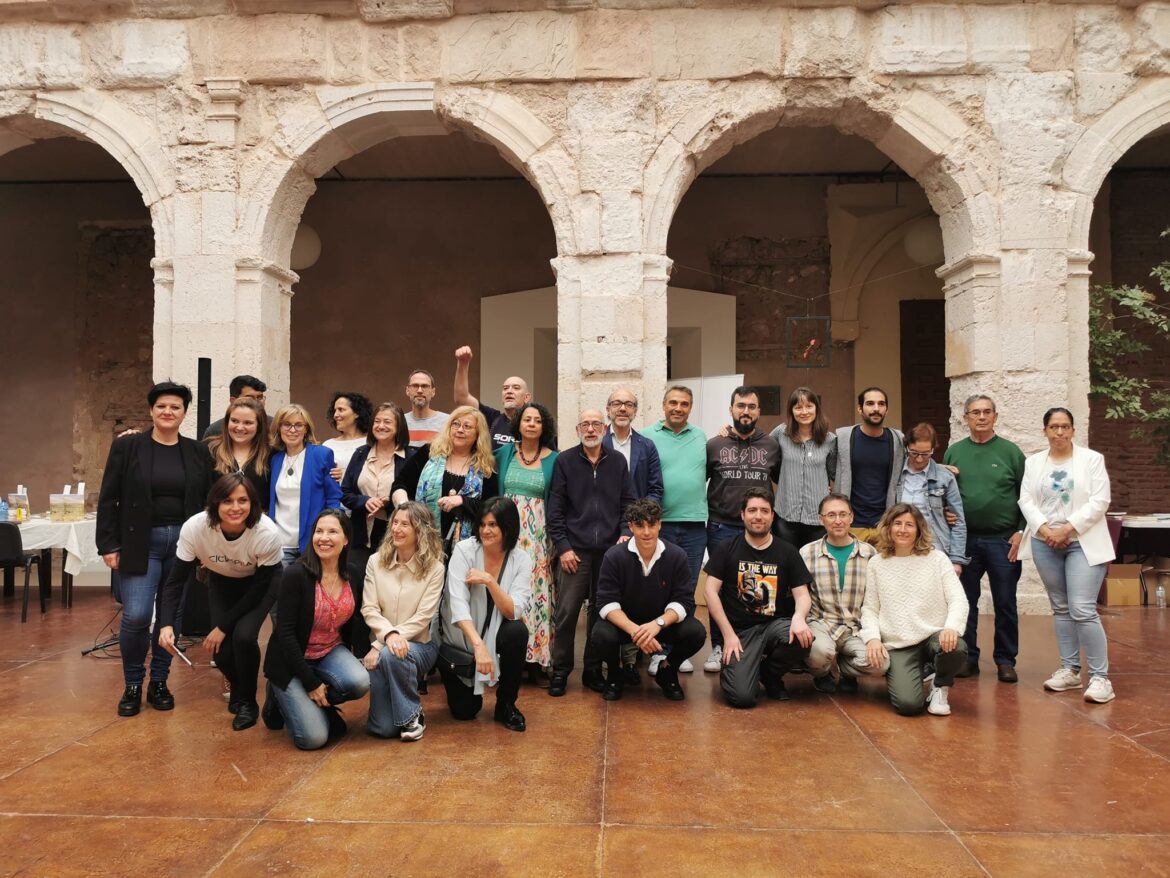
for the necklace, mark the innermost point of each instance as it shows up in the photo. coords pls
(292, 462)
(523, 458)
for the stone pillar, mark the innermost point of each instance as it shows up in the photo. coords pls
(611, 330)
(264, 314)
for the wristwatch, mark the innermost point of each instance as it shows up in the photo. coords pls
(661, 622)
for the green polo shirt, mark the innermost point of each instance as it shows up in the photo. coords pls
(684, 471)
(989, 483)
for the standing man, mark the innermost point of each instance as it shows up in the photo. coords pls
(514, 394)
(745, 458)
(762, 610)
(423, 421)
(990, 470)
(242, 386)
(933, 489)
(837, 562)
(646, 598)
(640, 453)
(588, 496)
(869, 458)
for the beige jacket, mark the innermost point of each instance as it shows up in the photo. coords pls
(401, 598)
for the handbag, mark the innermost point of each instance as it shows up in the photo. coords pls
(455, 657)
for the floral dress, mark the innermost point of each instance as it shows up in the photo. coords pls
(527, 488)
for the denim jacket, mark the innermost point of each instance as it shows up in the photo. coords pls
(942, 493)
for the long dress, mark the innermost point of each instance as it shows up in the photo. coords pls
(527, 488)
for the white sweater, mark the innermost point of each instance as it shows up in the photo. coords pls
(908, 599)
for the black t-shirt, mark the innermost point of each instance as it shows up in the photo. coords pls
(870, 463)
(499, 424)
(168, 485)
(757, 583)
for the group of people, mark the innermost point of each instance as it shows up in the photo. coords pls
(417, 540)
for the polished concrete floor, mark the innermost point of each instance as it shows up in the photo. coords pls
(1016, 782)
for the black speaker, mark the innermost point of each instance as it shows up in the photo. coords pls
(203, 397)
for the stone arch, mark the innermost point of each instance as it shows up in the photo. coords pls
(928, 140)
(1100, 146)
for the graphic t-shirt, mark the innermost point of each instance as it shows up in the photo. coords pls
(257, 546)
(424, 430)
(757, 583)
(1056, 485)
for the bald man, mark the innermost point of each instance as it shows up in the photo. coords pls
(513, 394)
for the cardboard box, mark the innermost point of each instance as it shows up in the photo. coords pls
(1123, 587)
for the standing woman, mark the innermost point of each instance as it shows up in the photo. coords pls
(242, 447)
(153, 482)
(240, 547)
(808, 460)
(1064, 497)
(452, 475)
(350, 414)
(488, 587)
(525, 473)
(309, 663)
(404, 583)
(301, 484)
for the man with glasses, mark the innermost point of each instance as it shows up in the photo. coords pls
(933, 489)
(513, 395)
(837, 562)
(423, 421)
(241, 387)
(587, 500)
(990, 470)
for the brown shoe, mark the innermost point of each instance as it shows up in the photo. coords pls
(1007, 674)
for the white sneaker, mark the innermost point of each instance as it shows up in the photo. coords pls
(1063, 680)
(655, 660)
(686, 667)
(414, 729)
(1100, 690)
(714, 661)
(937, 702)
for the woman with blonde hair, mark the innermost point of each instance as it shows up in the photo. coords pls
(404, 583)
(301, 484)
(913, 611)
(242, 447)
(453, 475)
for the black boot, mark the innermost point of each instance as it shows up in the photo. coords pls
(131, 701)
(159, 696)
(246, 716)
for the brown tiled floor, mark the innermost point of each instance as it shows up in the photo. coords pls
(1016, 782)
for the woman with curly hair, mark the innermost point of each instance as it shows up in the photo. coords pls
(351, 415)
(913, 612)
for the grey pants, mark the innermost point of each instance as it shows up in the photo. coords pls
(572, 591)
(904, 679)
(766, 650)
(848, 650)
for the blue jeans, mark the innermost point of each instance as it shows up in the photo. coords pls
(394, 688)
(345, 680)
(989, 555)
(691, 537)
(139, 599)
(718, 532)
(1072, 584)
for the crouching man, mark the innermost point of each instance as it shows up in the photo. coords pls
(645, 595)
(761, 611)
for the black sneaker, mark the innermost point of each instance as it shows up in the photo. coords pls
(246, 716)
(592, 678)
(667, 680)
(159, 696)
(612, 691)
(510, 717)
(630, 676)
(131, 701)
(847, 685)
(776, 689)
(825, 684)
(556, 686)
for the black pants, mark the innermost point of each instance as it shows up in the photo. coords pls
(238, 658)
(511, 647)
(573, 589)
(797, 533)
(685, 638)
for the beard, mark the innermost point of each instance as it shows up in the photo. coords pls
(744, 429)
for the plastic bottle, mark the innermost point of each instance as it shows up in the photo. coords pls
(3, 510)
(1160, 596)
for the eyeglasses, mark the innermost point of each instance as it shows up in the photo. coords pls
(980, 413)
(462, 427)
(920, 453)
(293, 428)
(591, 425)
(420, 386)
(746, 407)
(836, 516)
(622, 404)
(1059, 428)
(382, 422)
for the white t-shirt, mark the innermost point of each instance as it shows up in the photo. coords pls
(257, 546)
(1056, 484)
(343, 450)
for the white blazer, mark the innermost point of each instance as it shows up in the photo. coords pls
(1090, 501)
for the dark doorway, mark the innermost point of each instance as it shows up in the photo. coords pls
(926, 390)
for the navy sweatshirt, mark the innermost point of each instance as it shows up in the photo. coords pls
(586, 503)
(644, 597)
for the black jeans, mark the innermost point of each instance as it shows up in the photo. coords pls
(511, 647)
(685, 638)
(797, 533)
(238, 658)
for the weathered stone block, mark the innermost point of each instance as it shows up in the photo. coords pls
(1152, 28)
(598, 319)
(825, 42)
(1000, 35)
(1101, 37)
(384, 52)
(1051, 37)
(1097, 92)
(138, 53)
(621, 222)
(716, 44)
(506, 46)
(404, 10)
(611, 357)
(919, 39)
(345, 60)
(422, 53)
(261, 49)
(40, 56)
(611, 161)
(1031, 114)
(613, 45)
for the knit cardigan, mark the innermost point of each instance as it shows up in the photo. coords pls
(909, 598)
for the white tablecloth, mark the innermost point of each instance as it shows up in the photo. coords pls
(75, 537)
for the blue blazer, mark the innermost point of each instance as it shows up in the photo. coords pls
(318, 489)
(645, 465)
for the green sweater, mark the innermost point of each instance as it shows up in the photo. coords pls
(684, 471)
(989, 483)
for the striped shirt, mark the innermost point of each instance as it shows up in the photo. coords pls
(839, 607)
(805, 471)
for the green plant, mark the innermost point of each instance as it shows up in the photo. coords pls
(1126, 323)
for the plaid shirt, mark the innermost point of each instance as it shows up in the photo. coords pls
(838, 607)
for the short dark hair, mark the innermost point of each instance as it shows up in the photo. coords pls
(757, 494)
(830, 497)
(503, 509)
(548, 431)
(223, 487)
(679, 388)
(309, 559)
(922, 432)
(401, 429)
(1059, 410)
(644, 510)
(169, 388)
(363, 410)
(242, 381)
(861, 396)
(742, 391)
(414, 372)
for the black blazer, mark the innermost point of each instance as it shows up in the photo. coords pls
(124, 501)
(295, 609)
(355, 501)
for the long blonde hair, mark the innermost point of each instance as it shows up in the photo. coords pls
(283, 414)
(221, 446)
(923, 543)
(429, 550)
(482, 458)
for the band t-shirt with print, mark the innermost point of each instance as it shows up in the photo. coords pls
(757, 583)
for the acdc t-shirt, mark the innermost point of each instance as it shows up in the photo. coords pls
(757, 583)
